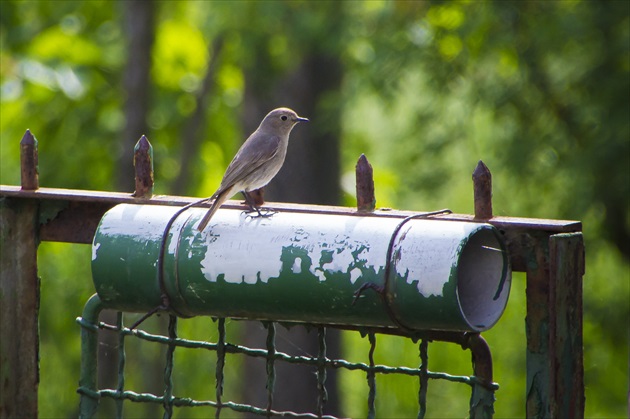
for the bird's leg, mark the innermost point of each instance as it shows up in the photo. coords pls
(249, 202)
(254, 209)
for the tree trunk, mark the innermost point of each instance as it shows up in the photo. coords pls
(140, 29)
(310, 175)
(192, 133)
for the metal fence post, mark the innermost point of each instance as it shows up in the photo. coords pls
(565, 346)
(89, 349)
(555, 373)
(19, 308)
(482, 399)
(554, 264)
(19, 293)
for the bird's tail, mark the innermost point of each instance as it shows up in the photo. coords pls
(219, 199)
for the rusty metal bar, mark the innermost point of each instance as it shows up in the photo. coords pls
(365, 185)
(482, 186)
(143, 164)
(424, 378)
(19, 292)
(29, 162)
(566, 253)
(89, 207)
(88, 380)
(482, 400)
(271, 367)
(537, 326)
(19, 308)
(371, 378)
(75, 222)
(555, 373)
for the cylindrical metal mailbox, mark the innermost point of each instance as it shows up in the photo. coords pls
(299, 267)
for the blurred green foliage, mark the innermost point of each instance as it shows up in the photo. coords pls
(537, 90)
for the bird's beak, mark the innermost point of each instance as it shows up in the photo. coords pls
(300, 119)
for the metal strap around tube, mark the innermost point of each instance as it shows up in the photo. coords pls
(166, 304)
(384, 290)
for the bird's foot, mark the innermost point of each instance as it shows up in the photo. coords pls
(257, 213)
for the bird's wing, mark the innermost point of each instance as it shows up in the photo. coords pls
(259, 150)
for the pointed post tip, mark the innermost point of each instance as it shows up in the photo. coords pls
(143, 144)
(481, 170)
(28, 138)
(366, 200)
(363, 163)
(143, 163)
(29, 169)
(482, 188)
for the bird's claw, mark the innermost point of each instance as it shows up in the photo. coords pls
(257, 213)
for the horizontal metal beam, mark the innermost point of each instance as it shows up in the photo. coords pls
(72, 215)
(110, 199)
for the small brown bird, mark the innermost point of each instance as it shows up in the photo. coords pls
(257, 161)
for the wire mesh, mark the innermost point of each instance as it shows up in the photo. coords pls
(90, 395)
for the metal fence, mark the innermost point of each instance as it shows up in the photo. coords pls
(550, 252)
(482, 394)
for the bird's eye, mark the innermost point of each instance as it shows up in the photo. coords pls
(283, 117)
